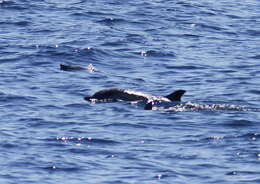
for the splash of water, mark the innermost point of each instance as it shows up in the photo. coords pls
(189, 106)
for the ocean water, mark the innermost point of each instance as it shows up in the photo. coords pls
(50, 135)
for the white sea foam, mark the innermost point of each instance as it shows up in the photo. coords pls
(189, 106)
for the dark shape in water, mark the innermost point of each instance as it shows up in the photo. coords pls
(89, 68)
(71, 67)
(114, 95)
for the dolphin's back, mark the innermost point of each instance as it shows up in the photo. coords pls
(115, 94)
(71, 67)
(111, 95)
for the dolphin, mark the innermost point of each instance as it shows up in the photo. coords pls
(89, 68)
(71, 67)
(115, 95)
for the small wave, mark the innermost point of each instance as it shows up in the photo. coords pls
(161, 176)
(22, 23)
(77, 106)
(233, 16)
(186, 67)
(190, 36)
(64, 169)
(4, 2)
(70, 53)
(17, 23)
(54, 50)
(215, 138)
(93, 53)
(111, 21)
(114, 43)
(13, 5)
(126, 125)
(251, 136)
(157, 53)
(255, 57)
(253, 32)
(16, 98)
(243, 173)
(86, 140)
(135, 38)
(211, 27)
(256, 92)
(8, 145)
(239, 123)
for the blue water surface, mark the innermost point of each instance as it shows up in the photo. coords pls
(50, 135)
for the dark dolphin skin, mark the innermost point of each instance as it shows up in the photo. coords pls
(115, 94)
(71, 67)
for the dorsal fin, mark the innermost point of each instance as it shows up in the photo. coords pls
(176, 95)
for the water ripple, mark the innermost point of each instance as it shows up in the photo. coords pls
(49, 133)
(61, 169)
(88, 140)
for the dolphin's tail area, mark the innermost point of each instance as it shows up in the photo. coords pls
(176, 95)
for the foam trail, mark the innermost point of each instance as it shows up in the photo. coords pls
(189, 106)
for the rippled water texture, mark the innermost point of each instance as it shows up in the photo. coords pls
(50, 135)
